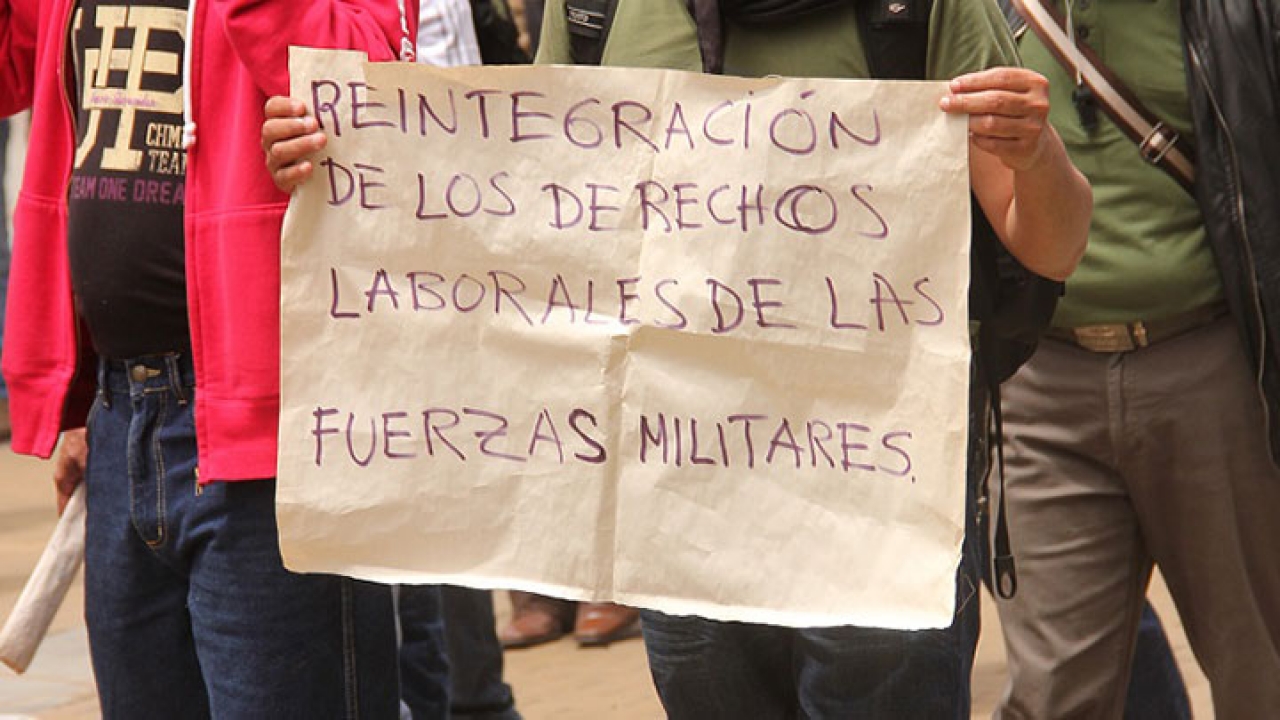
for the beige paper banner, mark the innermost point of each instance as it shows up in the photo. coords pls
(692, 343)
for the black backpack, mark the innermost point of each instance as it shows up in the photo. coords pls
(1012, 305)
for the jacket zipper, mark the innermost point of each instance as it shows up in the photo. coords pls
(1243, 234)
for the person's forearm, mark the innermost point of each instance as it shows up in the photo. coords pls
(1047, 224)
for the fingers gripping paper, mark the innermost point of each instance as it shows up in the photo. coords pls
(692, 343)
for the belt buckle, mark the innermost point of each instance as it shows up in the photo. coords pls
(1110, 338)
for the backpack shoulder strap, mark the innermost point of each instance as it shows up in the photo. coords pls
(591, 20)
(895, 37)
(589, 23)
(706, 15)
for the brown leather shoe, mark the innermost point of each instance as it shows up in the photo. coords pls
(535, 619)
(600, 624)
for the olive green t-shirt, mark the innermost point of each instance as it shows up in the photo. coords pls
(967, 35)
(644, 34)
(1147, 257)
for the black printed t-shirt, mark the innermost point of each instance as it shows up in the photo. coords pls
(127, 184)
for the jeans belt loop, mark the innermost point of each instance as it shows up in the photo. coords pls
(1127, 337)
(175, 377)
(104, 390)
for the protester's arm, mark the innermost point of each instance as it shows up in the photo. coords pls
(68, 469)
(18, 27)
(261, 31)
(1037, 201)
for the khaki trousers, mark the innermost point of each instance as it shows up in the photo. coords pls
(1118, 460)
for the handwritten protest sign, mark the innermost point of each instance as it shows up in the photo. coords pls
(693, 343)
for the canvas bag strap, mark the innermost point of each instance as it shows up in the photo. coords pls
(1158, 143)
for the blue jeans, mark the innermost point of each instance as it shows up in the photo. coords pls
(465, 685)
(424, 660)
(1156, 690)
(475, 655)
(709, 670)
(191, 613)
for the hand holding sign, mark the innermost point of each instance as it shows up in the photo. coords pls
(289, 137)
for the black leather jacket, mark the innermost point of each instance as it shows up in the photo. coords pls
(1233, 68)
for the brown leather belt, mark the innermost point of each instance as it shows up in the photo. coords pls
(1125, 337)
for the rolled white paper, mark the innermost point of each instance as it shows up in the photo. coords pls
(46, 588)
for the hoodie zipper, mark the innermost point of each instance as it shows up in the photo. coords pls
(1243, 234)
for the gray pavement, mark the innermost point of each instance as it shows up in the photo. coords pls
(553, 682)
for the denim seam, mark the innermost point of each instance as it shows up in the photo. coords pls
(972, 591)
(175, 379)
(98, 402)
(161, 478)
(130, 450)
(351, 690)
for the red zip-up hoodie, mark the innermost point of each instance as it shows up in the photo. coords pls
(237, 56)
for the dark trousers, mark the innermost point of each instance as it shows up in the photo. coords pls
(1117, 461)
(424, 658)
(1156, 689)
(465, 685)
(479, 692)
(710, 670)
